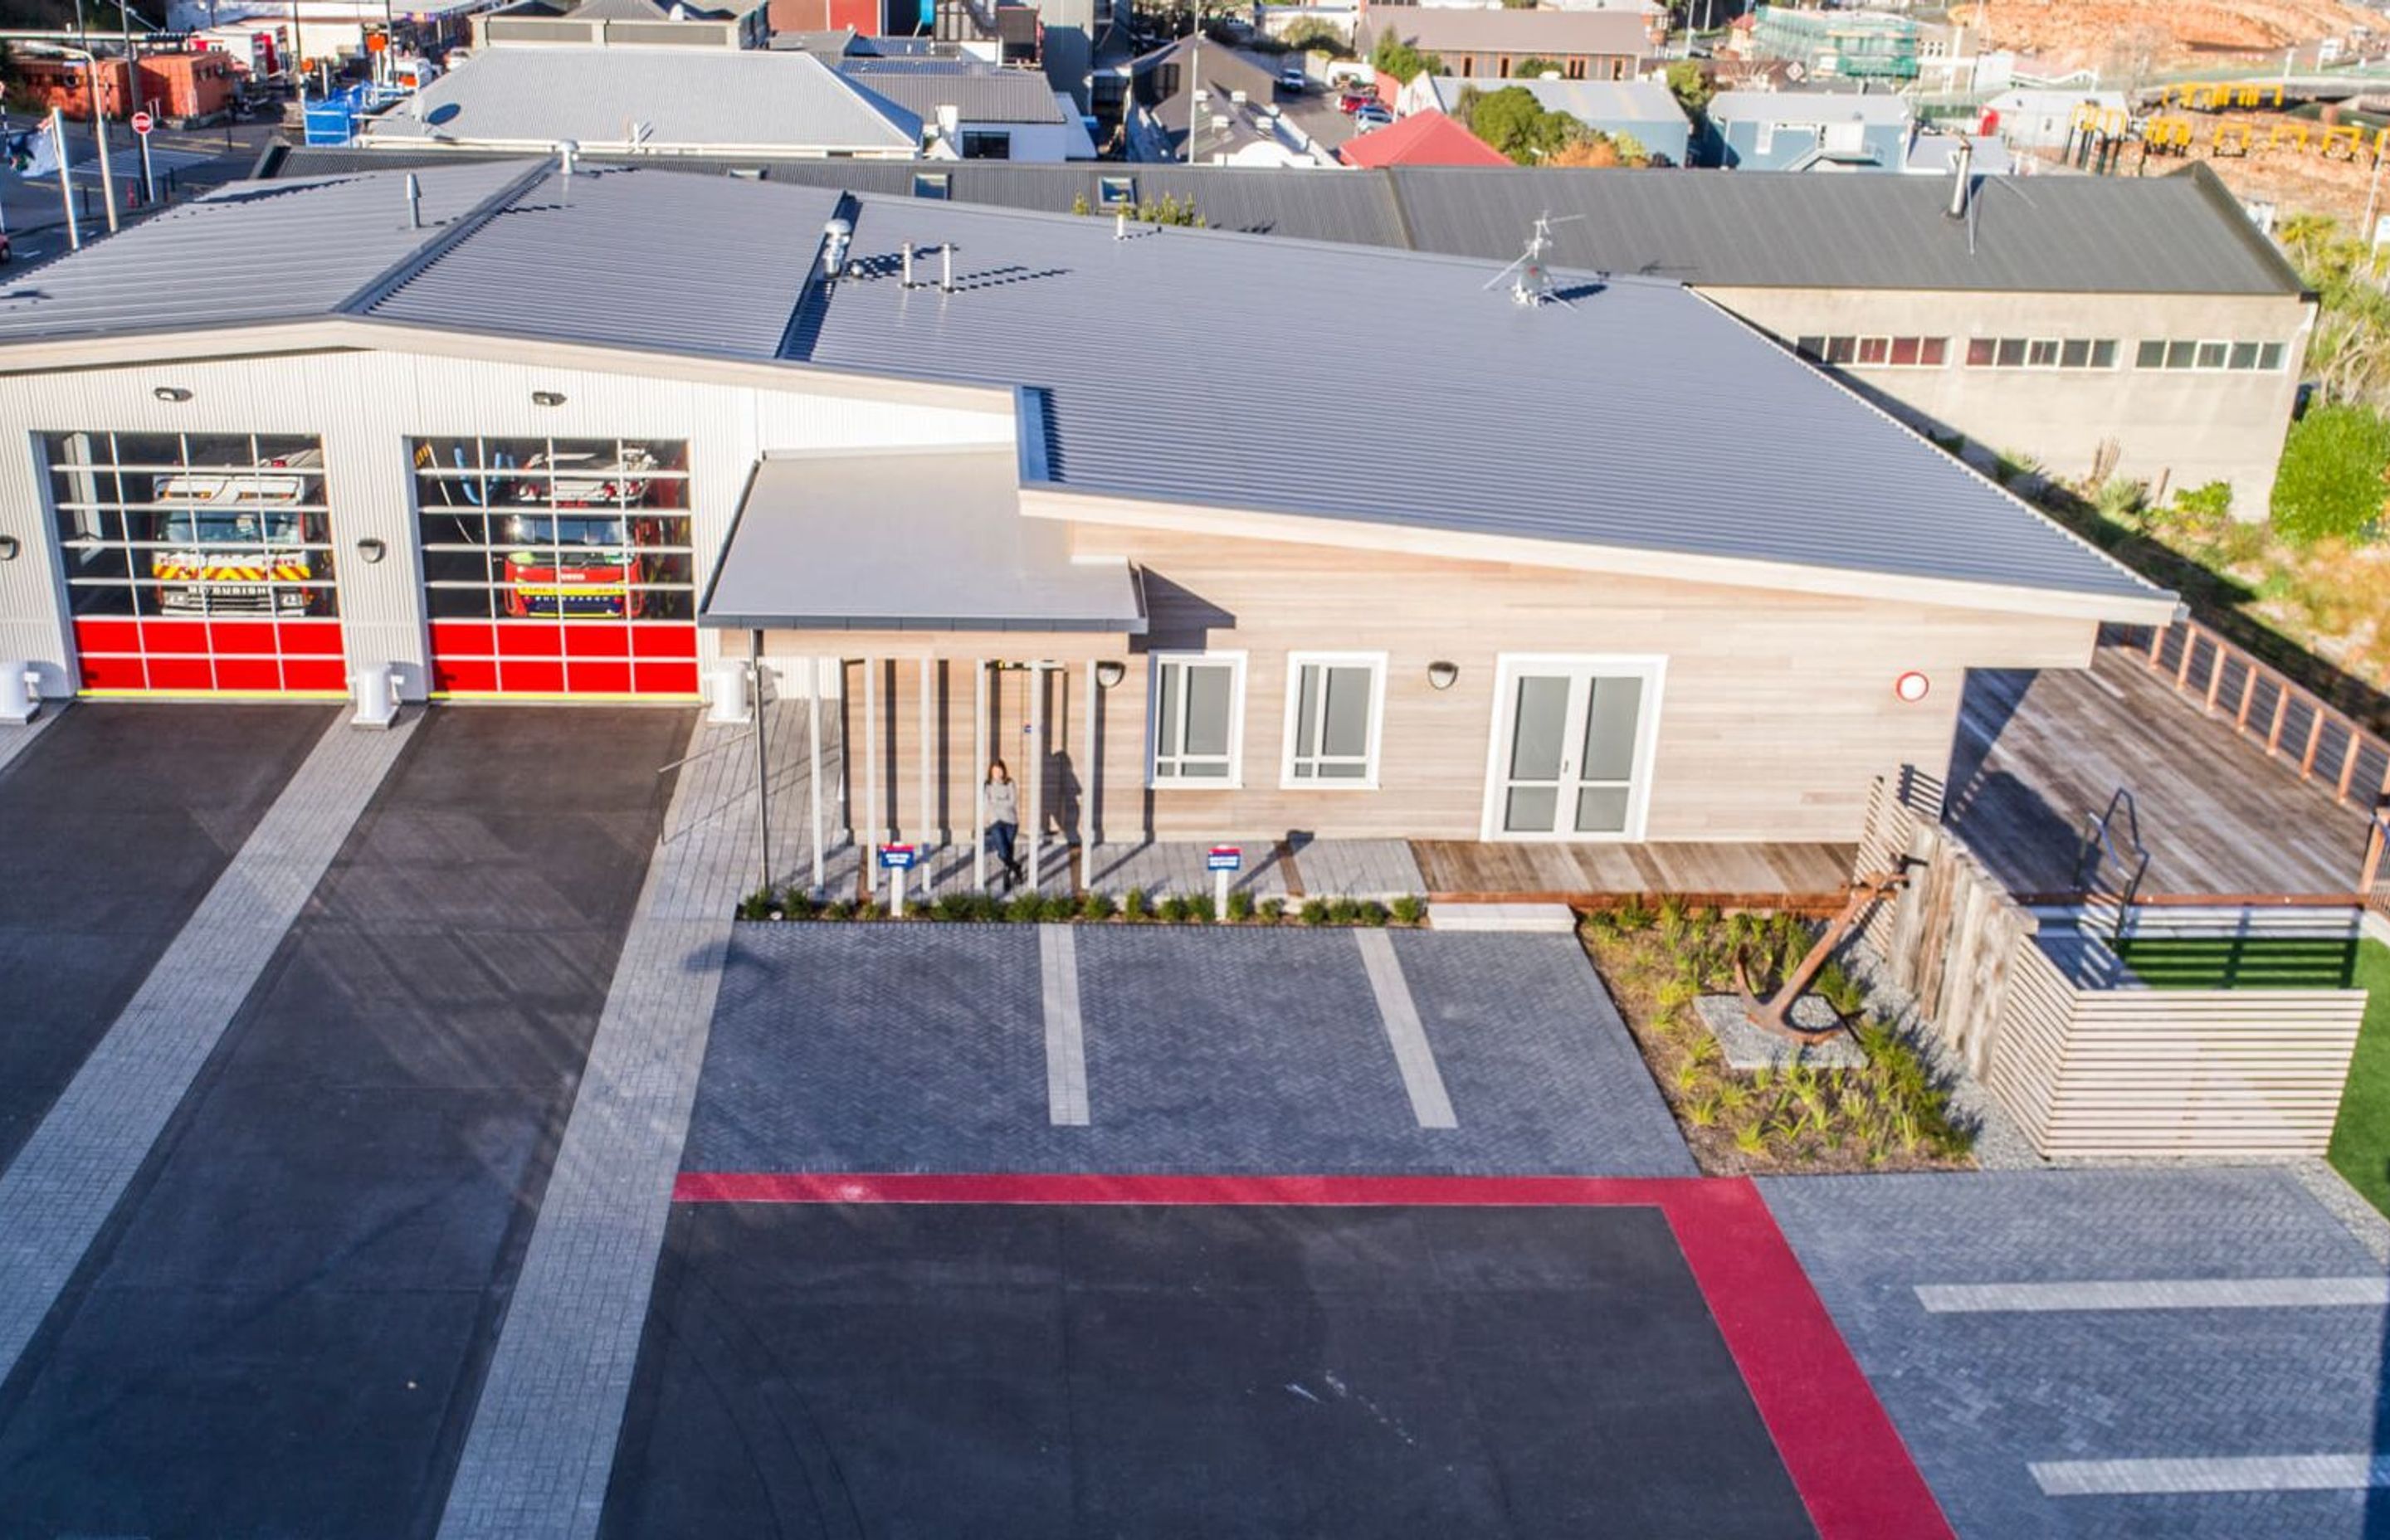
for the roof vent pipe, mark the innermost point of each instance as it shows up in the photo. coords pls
(1120, 225)
(567, 151)
(836, 236)
(908, 265)
(1962, 167)
(414, 201)
(947, 268)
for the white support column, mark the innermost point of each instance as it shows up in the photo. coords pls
(813, 771)
(870, 822)
(1037, 829)
(927, 834)
(979, 768)
(1090, 775)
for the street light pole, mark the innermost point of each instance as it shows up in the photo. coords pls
(133, 87)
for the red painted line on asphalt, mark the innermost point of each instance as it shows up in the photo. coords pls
(1845, 1459)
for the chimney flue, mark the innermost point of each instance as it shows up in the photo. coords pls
(947, 268)
(1963, 182)
(908, 265)
(414, 201)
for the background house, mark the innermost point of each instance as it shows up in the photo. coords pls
(1427, 138)
(973, 110)
(1586, 45)
(1645, 109)
(1806, 130)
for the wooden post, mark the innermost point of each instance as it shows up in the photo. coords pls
(2315, 741)
(2190, 647)
(2372, 859)
(2248, 699)
(2157, 644)
(2214, 680)
(812, 774)
(1037, 775)
(871, 775)
(2282, 712)
(2347, 762)
(979, 768)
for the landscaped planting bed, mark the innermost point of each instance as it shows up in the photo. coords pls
(1889, 1113)
(1133, 908)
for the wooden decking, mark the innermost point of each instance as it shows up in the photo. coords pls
(2038, 755)
(1799, 876)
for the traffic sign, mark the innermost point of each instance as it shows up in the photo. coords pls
(895, 858)
(1224, 858)
(143, 123)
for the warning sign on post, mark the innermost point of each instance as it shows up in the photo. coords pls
(143, 123)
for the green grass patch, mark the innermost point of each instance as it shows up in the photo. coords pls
(2360, 1140)
(2243, 962)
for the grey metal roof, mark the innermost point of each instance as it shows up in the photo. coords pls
(696, 97)
(1593, 101)
(1590, 423)
(1808, 106)
(982, 96)
(249, 252)
(2179, 233)
(908, 542)
(709, 273)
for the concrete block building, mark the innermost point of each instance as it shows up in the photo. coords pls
(867, 444)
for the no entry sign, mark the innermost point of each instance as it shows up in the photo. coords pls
(143, 123)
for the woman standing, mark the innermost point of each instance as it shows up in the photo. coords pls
(1000, 809)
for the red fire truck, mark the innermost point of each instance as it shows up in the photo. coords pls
(580, 532)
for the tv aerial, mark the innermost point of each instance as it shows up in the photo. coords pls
(1530, 280)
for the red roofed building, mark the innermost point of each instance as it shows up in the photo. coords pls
(1426, 138)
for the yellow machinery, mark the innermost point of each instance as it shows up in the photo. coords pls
(2228, 138)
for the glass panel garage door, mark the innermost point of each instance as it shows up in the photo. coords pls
(557, 567)
(198, 563)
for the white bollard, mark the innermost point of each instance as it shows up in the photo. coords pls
(1220, 894)
(21, 692)
(375, 687)
(732, 695)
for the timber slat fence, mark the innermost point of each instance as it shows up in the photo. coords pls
(2287, 722)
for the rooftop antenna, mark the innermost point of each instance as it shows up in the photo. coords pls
(1530, 281)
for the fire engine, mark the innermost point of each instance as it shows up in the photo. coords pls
(232, 539)
(574, 562)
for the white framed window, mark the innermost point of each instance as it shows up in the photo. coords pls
(1196, 719)
(1335, 707)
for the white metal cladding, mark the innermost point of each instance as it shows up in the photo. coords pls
(367, 406)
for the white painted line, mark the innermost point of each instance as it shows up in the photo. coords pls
(2212, 1473)
(1066, 1035)
(1399, 1015)
(1965, 1299)
(69, 1176)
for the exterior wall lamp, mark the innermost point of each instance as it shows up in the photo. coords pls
(1441, 674)
(548, 398)
(174, 393)
(1111, 672)
(372, 550)
(1911, 687)
(9, 547)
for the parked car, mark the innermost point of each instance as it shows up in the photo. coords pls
(1292, 80)
(1372, 116)
(1352, 101)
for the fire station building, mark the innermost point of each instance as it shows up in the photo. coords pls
(974, 473)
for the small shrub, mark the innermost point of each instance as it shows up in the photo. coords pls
(1751, 1140)
(1672, 997)
(1633, 915)
(1241, 907)
(1837, 988)
(839, 908)
(1026, 908)
(1314, 911)
(1343, 911)
(2210, 504)
(755, 906)
(1272, 910)
(1095, 905)
(1057, 909)
(1409, 909)
(1687, 1076)
(1702, 1112)
(871, 908)
(1373, 914)
(1199, 908)
(1173, 910)
(956, 907)
(2331, 482)
(2121, 501)
(1135, 907)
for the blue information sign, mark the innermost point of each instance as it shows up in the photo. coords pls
(895, 858)
(1224, 858)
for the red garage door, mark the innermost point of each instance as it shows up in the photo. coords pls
(557, 567)
(198, 563)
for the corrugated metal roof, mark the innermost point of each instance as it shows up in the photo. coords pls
(711, 271)
(699, 96)
(1592, 423)
(1594, 100)
(2179, 233)
(249, 252)
(840, 541)
(982, 96)
(1422, 139)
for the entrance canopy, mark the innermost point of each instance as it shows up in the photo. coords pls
(925, 540)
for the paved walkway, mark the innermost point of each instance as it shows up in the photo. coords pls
(536, 1461)
(67, 1179)
(2187, 1352)
(15, 739)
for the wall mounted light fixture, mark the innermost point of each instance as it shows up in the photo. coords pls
(1441, 674)
(9, 547)
(1912, 687)
(1110, 672)
(371, 550)
(548, 398)
(171, 392)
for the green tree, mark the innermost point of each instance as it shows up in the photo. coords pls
(1394, 56)
(1691, 87)
(2330, 485)
(1514, 122)
(1535, 67)
(1313, 35)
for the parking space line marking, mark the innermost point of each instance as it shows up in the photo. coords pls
(1399, 1015)
(1964, 1299)
(2149, 1478)
(1066, 1035)
(70, 1175)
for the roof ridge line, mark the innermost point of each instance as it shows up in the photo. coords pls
(383, 284)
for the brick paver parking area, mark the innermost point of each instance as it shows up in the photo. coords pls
(966, 1048)
(2112, 1352)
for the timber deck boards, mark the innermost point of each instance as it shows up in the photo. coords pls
(1711, 871)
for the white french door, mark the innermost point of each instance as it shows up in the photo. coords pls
(1572, 747)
